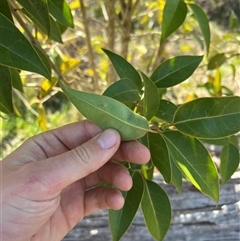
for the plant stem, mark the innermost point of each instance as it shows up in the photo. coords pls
(89, 46)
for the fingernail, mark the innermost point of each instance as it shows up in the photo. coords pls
(107, 139)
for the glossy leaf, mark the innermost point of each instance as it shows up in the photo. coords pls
(60, 10)
(4, 9)
(156, 210)
(176, 177)
(229, 161)
(108, 113)
(192, 158)
(124, 90)
(124, 69)
(209, 118)
(203, 24)
(120, 220)
(175, 70)
(174, 14)
(17, 52)
(38, 9)
(16, 80)
(166, 111)
(151, 100)
(6, 104)
(216, 61)
(160, 156)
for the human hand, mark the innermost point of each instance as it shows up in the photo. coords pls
(48, 183)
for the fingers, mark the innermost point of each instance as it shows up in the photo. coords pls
(111, 173)
(132, 151)
(51, 175)
(102, 198)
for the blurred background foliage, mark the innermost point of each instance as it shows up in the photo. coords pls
(131, 29)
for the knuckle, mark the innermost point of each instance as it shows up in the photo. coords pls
(83, 155)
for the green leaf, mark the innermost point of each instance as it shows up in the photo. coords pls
(216, 61)
(151, 100)
(222, 141)
(55, 34)
(174, 14)
(6, 104)
(121, 220)
(166, 111)
(156, 210)
(17, 52)
(160, 156)
(194, 161)
(175, 70)
(4, 9)
(44, 58)
(16, 80)
(108, 113)
(38, 9)
(60, 10)
(203, 24)
(124, 69)
(209, 118)
(176, 177)
(124, 90)
(229, 161)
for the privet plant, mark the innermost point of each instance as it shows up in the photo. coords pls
(135, 105)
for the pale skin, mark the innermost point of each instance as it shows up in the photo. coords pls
(49, 182)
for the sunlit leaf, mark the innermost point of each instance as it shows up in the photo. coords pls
(42, 119)
(69, 65)
(120, 220)
(151, 99)
(38, 9)
(217, 84)
(160, 156)
(166, 111)
(6, 104)
(175, 70)
(61, 12)
(156, 210)
(108, 113)
(209, 118)
(124, 69)
(194, 161)
(229, 161)
(216, 61)
(17, 52)
(174, 14)
(123, 90)
(203, 24)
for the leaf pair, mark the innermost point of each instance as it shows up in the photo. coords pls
(155, 206)
(174, 14)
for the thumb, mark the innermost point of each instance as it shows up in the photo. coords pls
(56, 173)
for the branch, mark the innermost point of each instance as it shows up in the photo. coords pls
(88, 39)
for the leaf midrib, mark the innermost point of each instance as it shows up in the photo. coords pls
(204, 118)
(114, 117)
(169, 74)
